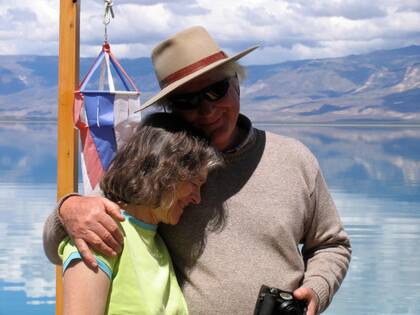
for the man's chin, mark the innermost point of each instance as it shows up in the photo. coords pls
(219, 145)
(210, 129)
(219, 140)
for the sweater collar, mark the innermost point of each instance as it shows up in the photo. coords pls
(245, 125)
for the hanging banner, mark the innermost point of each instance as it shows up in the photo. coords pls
(105, 116)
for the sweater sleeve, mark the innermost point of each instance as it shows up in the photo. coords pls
(326, 250)
(54, 233)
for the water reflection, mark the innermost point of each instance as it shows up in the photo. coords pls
(27, 193)
(28, 152)
(23, 267)
(373, 173)
(384, 273)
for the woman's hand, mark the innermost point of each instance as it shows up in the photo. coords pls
(89, 221)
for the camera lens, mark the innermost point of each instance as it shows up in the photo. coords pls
(291, 308)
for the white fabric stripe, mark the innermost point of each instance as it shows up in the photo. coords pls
(102, 76)
(87, 188)
(125, 120)
(110, 79)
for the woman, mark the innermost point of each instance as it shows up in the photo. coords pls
(157, 173)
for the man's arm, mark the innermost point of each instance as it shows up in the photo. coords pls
(52, 235)
(326, 249)
(85, 290)
(89, 221)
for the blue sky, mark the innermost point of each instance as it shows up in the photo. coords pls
(285, 30)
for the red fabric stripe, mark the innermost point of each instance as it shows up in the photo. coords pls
(122, 70)
(192, 68)
(93, 163)
(77, 108)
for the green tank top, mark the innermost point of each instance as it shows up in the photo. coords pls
(142, 277)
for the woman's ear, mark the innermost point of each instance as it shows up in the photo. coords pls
(168, 198)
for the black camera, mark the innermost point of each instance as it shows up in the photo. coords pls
(273, 301)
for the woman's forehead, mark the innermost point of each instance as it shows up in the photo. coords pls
(200, 176)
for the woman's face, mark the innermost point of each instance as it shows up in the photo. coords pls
(186, 192)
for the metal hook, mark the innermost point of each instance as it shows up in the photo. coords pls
(109, 13)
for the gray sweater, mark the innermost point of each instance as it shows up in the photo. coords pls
(255, 212)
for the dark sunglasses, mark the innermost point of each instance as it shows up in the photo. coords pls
(191, 101)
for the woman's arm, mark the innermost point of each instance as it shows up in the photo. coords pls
(85, 290)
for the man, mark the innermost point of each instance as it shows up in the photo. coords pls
(269, 198)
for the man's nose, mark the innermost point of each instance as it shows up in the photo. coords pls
(206, 107)
(196, 196)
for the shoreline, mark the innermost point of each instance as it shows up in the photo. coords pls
(347, 123)
(341, 124)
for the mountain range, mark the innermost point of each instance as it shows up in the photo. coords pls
(379, 86)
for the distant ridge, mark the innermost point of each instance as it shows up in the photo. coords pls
(381, 85)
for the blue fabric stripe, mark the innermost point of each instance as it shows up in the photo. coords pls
(100, 109)
(104, 134)
(143, 225)
(76, 256)
(73, 256)
(104, 267)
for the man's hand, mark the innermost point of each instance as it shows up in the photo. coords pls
(89, 221)
(310, 297)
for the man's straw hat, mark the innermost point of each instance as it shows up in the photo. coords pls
(184, 57)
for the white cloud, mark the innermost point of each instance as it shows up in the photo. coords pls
(293, 29)
(354, 10)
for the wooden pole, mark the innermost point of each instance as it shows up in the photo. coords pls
(68, 81)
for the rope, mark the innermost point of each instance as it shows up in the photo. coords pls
(108, 15)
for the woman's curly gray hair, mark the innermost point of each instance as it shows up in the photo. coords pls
(163, 151)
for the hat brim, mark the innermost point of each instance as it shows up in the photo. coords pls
(173, 86)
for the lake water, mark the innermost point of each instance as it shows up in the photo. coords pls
(373, 173)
